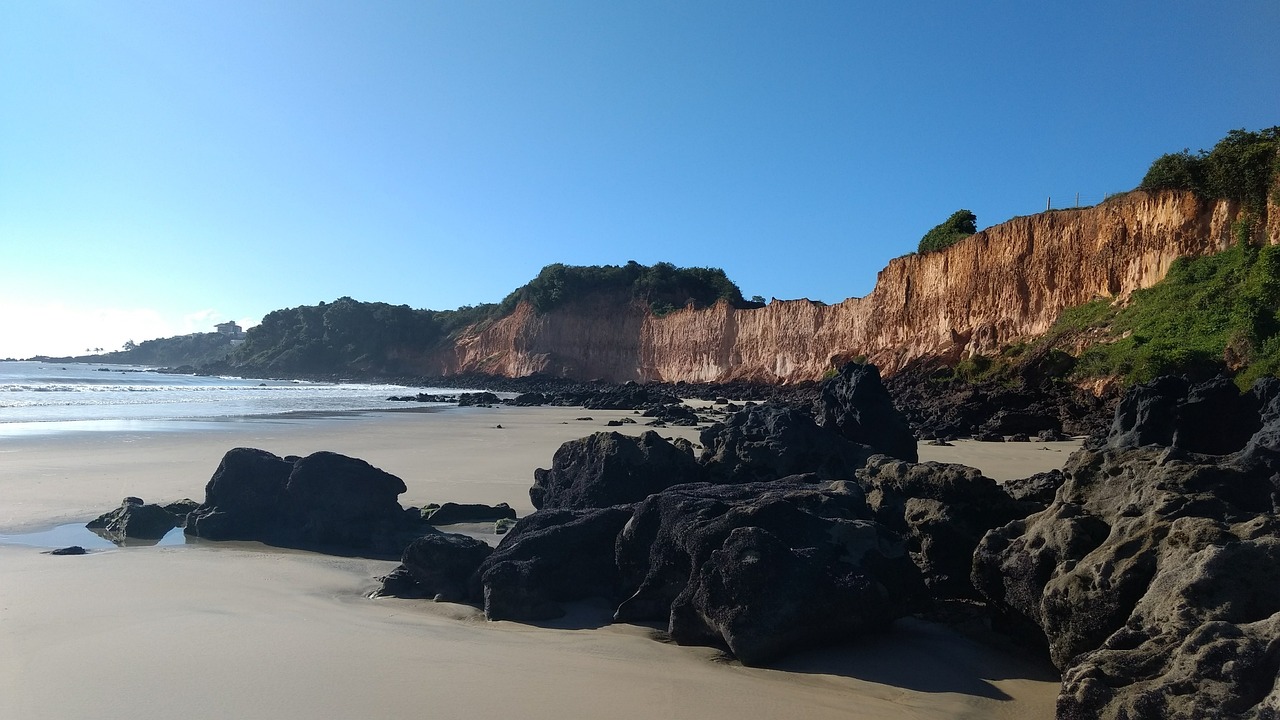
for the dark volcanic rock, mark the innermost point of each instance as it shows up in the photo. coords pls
(608, 468)
(549, 557)
(630, 396)
(451, 513)
(70, 550)
(764, 568)
(1211, 418)
(1153, 574)
(855, 404)
(324, 500)
(767, 442)
(677, 414)
(1038, 488)
(1013, 422)
(937, 402)
(529, 399)
(477, 399)
(437, 565)
(942, 511)
(134, 519)
(243, 498)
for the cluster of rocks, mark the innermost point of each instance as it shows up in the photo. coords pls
(1148, 567)
(1153, 576)
(781, 535)
(1046, 410)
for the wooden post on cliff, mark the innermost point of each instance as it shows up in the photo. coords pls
(1048, 203)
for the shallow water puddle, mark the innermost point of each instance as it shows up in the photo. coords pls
(77, 534)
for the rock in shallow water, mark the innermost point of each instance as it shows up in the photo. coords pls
(134, 519)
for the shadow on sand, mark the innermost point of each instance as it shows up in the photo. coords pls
(925, 657)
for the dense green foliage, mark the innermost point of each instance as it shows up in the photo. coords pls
(1242, 166)
(344, 335)
(193, 349)
(347, 336)
(663, 286)
(959, 226)
(1209, 314)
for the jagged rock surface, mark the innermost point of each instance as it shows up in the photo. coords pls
(550, 557)
(942, 511)
(763, 568)
(767, 442)
(855, 404)
(1153, 573)
(609, 468)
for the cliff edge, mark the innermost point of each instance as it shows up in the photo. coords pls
(1005, 284)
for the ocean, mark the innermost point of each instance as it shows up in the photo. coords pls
(41, 397)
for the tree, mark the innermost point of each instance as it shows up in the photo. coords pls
(959, 226)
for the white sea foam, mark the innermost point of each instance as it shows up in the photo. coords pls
(36, 392)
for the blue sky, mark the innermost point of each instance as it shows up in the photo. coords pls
(165, 165)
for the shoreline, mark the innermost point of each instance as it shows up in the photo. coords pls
(246, 630)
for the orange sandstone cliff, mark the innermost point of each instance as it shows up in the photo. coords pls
(1005, 284)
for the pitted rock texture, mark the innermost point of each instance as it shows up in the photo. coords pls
(1153, 573)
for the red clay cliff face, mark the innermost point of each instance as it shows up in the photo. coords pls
(1005, 284)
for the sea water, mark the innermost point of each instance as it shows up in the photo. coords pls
(42, 397)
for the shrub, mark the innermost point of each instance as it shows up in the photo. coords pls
(959, 226)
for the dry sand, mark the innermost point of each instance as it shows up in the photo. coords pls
(239, 630)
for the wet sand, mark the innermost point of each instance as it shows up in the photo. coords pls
(218, 630)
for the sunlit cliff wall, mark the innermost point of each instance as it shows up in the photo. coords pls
(1002, 285)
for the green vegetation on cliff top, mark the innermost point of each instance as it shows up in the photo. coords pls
(959, 226)
(1243, 166)
(662, 286)
(348, 336)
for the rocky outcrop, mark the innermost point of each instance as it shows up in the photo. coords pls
(855, 404)
(548, 558)
(453, 513)
(942, 511)
(437, 565)
(1153, 573)
(324, 500)
(767, 442)
(764, 568)
(135, 519)
(609, 468)
(1004, 284)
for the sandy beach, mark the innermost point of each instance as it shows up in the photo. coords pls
(240, 630)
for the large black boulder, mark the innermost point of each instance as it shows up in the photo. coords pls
(855, 404)
(243, 499)
(609, 468)
(771, 441)
(323, 501)
(550, 557)
(437, 565)
(763, 568)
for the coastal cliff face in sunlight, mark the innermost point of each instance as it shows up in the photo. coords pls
(1005, 284)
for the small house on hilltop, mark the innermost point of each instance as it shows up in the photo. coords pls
(229, 328)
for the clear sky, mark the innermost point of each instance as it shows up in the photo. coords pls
(165, 165)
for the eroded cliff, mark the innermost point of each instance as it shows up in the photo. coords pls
(1000, 286)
